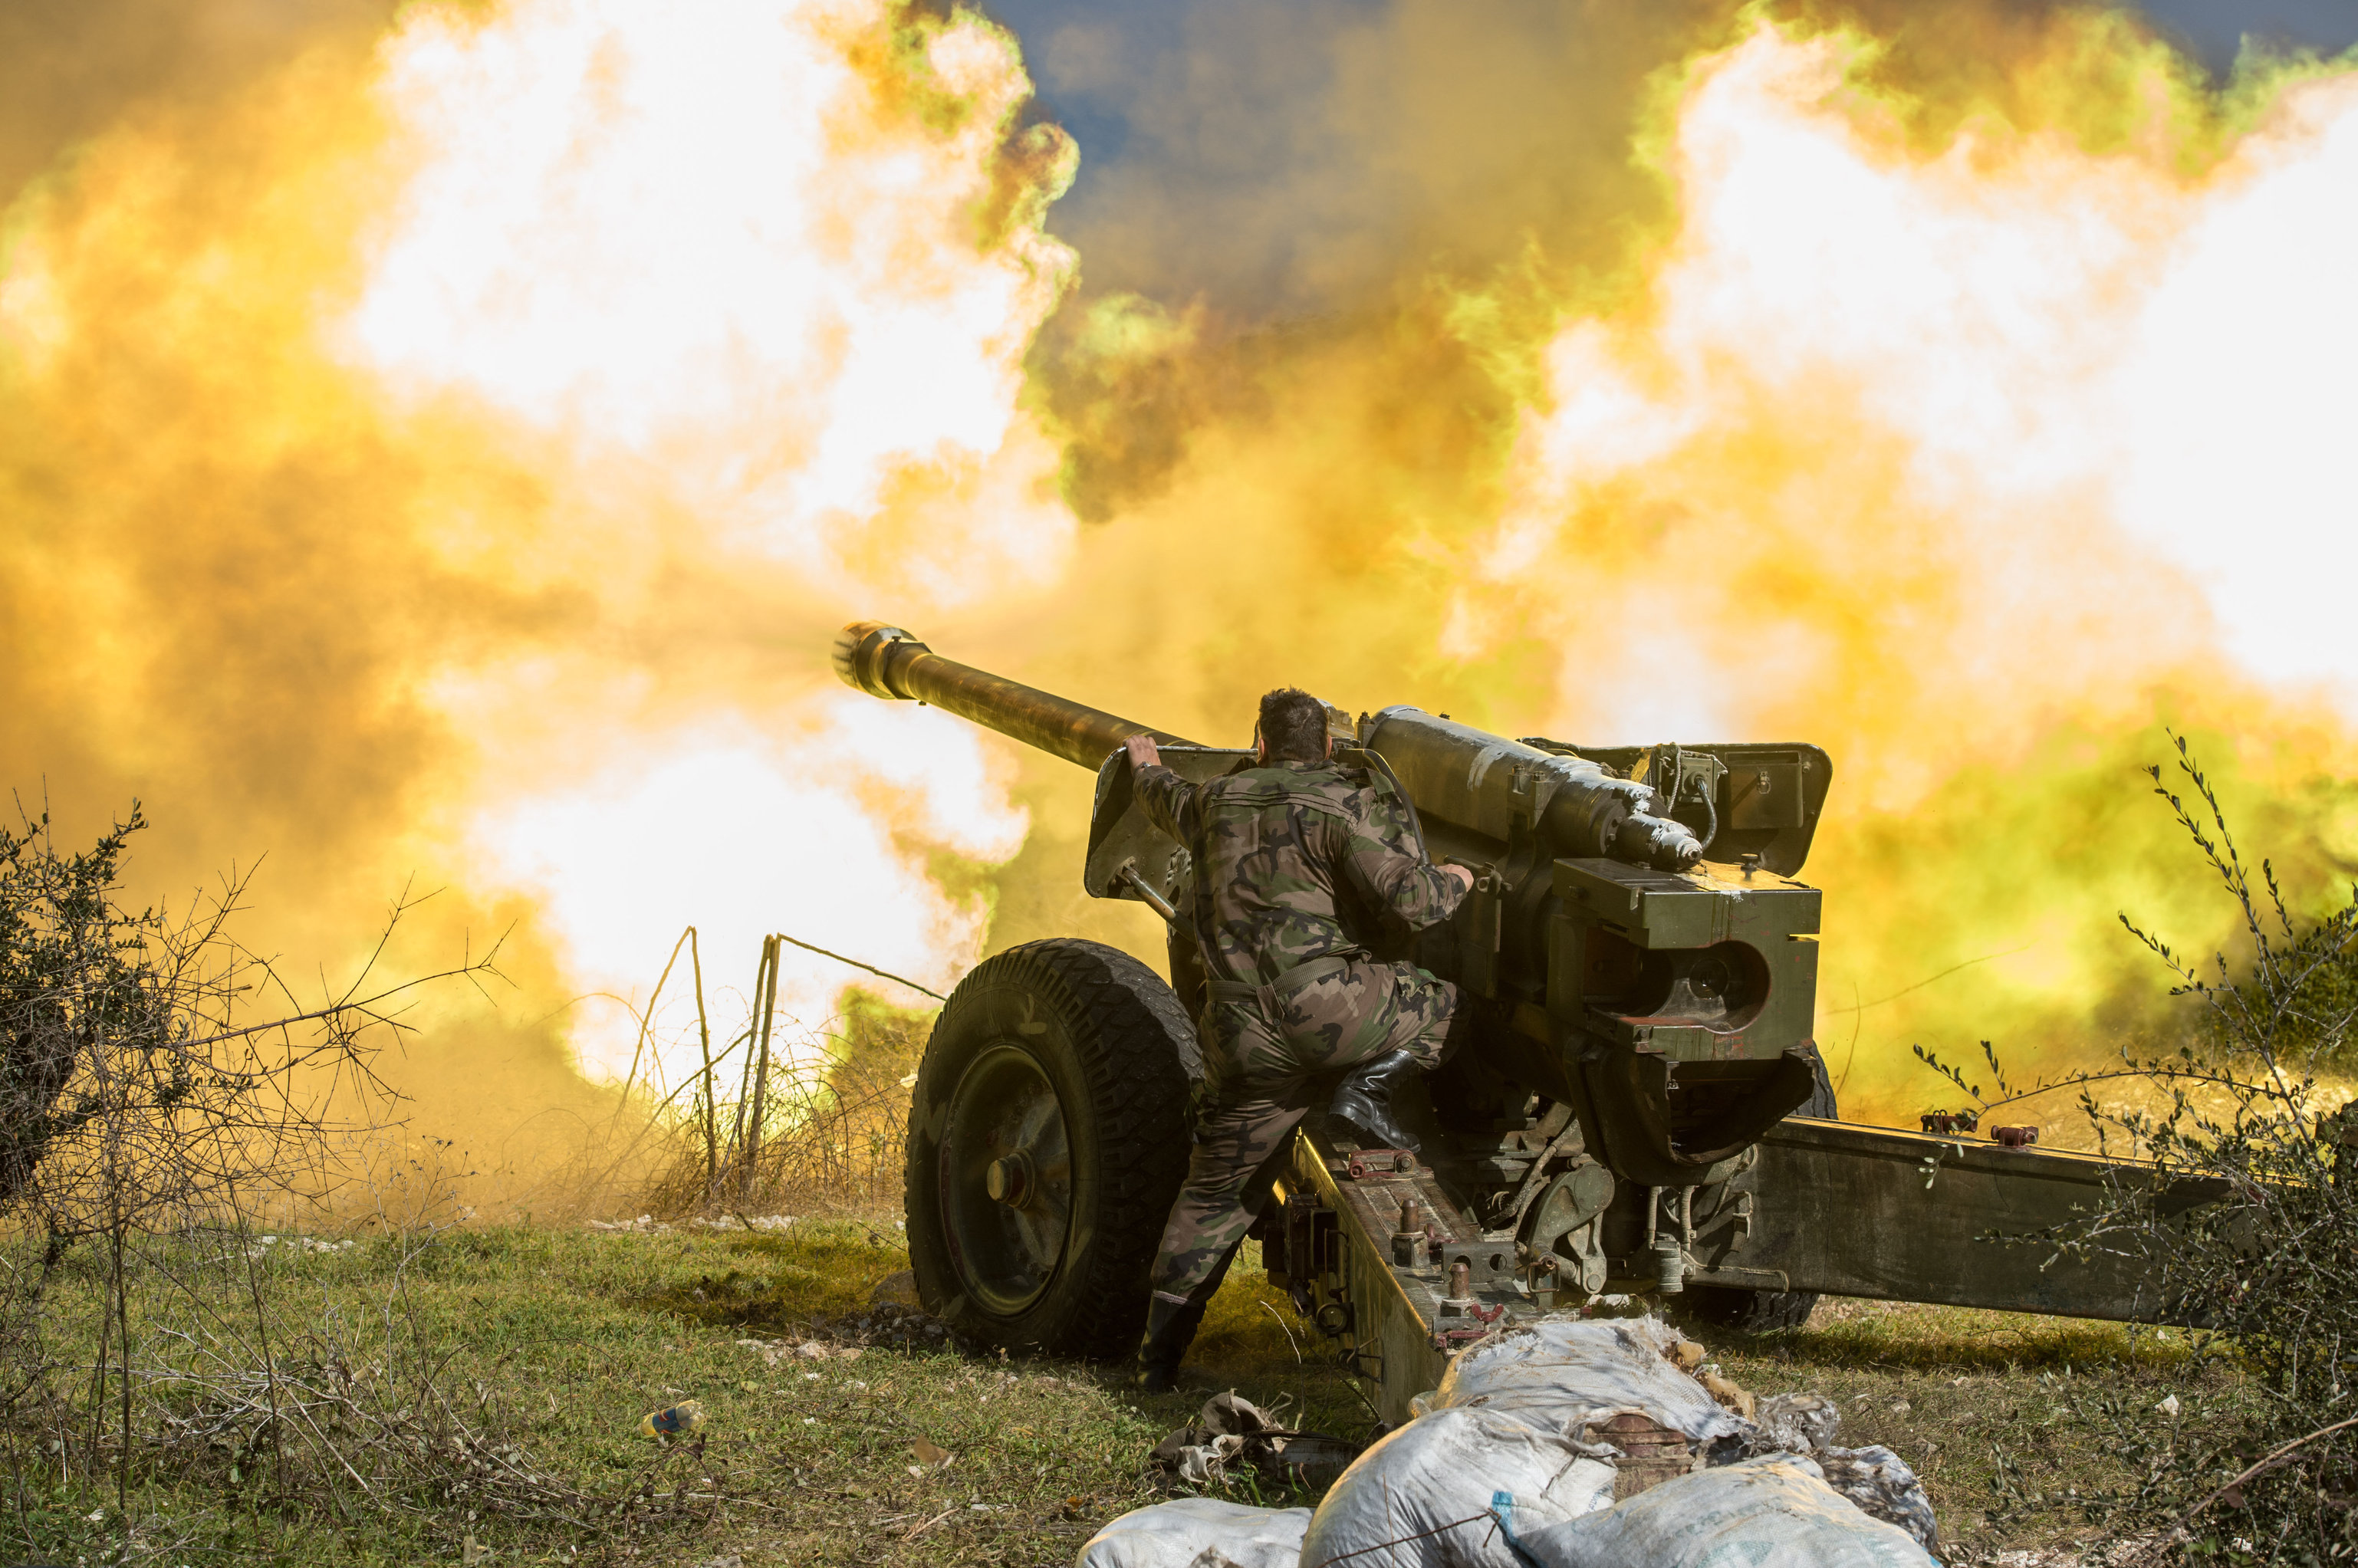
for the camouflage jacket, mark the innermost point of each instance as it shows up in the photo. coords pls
(1281, 852)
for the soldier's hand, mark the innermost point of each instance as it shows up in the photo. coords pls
(1460, 875)
(1142, 752)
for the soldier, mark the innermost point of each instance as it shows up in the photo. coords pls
(1280, 849)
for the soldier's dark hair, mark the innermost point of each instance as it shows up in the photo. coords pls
(1293, 726)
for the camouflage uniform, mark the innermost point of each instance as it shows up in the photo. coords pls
(1278, 852)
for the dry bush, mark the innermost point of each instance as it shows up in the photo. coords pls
(146, 1079)
(781, 1112)
(825, 1132)
(161, 1089)
(2248, 1118)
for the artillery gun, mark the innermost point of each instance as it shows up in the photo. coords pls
(1638, 1104)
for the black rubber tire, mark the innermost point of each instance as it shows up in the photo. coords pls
(1762, 1311)
(1745, 1312)
(1108, 1037)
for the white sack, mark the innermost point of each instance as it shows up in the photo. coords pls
(1466, 1469)
(1561, 1374)
(1775, 1511)
(1198, 1532)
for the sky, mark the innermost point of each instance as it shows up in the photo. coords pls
(1126, 78)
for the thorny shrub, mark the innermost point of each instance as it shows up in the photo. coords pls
(159, 1089)
(2244, 1221)
(134, 1089)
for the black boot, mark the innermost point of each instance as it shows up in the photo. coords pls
(1365, 1100)
(1170, 1329)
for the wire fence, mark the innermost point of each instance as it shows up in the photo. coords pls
(780, 1111)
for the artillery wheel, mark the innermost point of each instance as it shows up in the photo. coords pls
(1047, 1139)
(1758, 1312)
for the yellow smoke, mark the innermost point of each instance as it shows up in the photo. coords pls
(1977, 458)
(450, 458)
(441, 461)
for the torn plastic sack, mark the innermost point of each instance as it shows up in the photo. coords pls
(1798, 1423)
(1775, 1511)
(1431, 1495)
(1198, 1532)
(1881, 1484)
(1563, 1375)
(1875, 1478)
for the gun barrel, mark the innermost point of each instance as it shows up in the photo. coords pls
(887, 662)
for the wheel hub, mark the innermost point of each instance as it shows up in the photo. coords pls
(1013, 1180)
(1005, 1177)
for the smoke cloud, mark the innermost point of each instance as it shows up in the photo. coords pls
(442, 464)
(440, 450)
(1947, 387)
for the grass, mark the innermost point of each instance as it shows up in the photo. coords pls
(1984, 1405)
(558, 1341)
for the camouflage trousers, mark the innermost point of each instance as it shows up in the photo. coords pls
(1265, 1065)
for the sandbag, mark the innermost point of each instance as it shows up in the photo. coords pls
(1431, 1494)
(1773, 1511)
(1561, 1375)
(1198, 1532)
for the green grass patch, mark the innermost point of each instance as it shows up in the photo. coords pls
(1985, 1405)
(559, 1342)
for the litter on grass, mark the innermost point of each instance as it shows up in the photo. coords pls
(673, 1420)
(1231, 1433)
(777, 1352)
